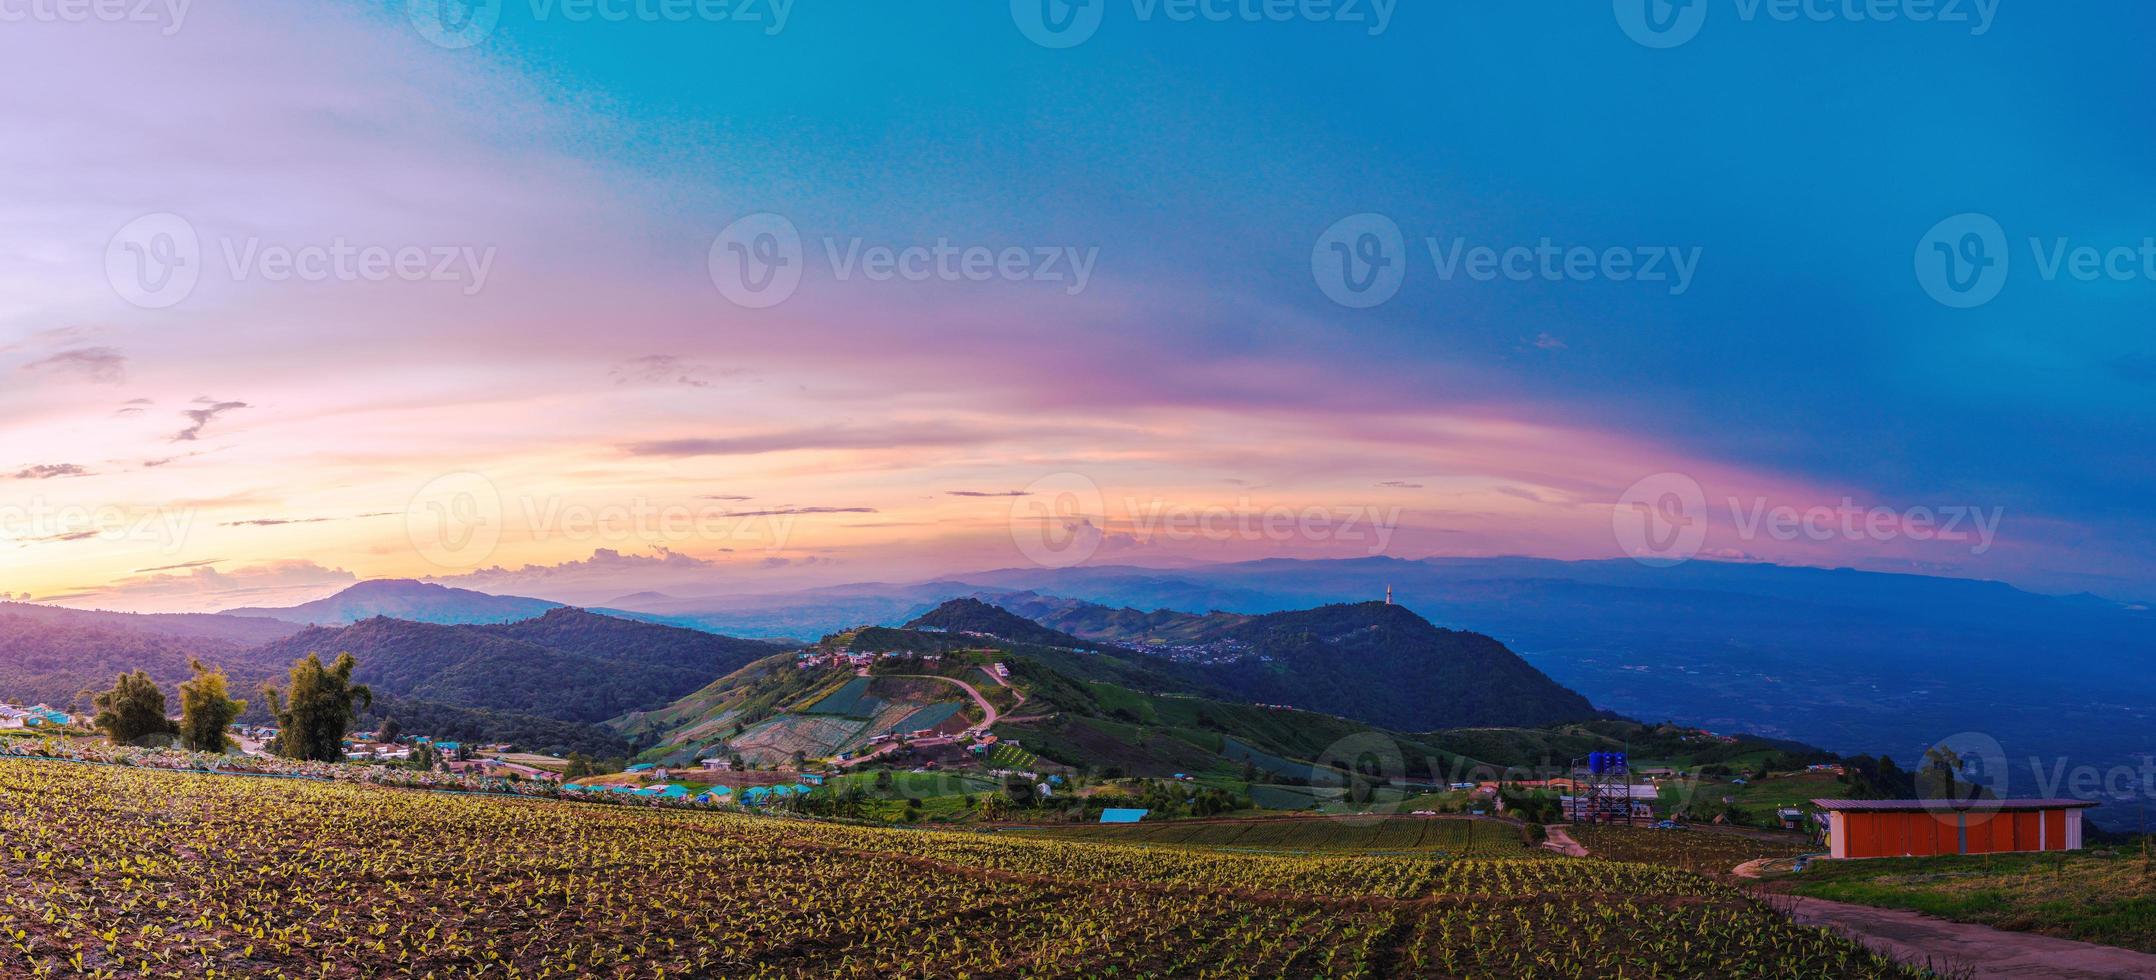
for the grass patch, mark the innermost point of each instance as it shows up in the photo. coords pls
(2089, 897)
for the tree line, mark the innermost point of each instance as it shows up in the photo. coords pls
(313, 710)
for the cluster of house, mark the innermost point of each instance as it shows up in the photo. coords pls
(502, 769)
(813, 659)
(34, 716)
(369, 747)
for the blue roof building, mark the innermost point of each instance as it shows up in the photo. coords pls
(1123, 816)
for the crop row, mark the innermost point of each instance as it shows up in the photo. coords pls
(118, 872)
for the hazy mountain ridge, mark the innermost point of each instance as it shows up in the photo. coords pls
(405, 599)
(569, 664)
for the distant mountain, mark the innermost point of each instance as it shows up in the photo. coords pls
(1372, 662)
(50, 654)
(418, 602)
(972, 616)
(1856, 661)
(221, 627)
(569, 664)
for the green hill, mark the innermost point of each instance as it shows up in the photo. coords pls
(568, 665)
(974, 618)
(1373, 662)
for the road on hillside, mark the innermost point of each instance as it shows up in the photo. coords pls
(989, 716)
(988, 711)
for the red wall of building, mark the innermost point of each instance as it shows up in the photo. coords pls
(1926, 834)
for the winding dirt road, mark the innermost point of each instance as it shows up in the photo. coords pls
(1953, 947)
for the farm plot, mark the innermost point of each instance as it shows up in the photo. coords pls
(1008, 756)
(852, 699)
(1263, 761)
(1703, 850)
(120, 872)
(774, 742)
(925, 718)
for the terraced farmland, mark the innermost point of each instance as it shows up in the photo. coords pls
(124, 872)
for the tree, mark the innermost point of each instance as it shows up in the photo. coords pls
(388, 730)
(579, 767)
(134, 709)
(206, 709)
(316, 708)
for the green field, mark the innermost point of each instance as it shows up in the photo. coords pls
(1262, 761)
(1008, 756)
(2086, 896)
(1398, 836)
(920, 784)
(1702, 849)
(851, 699)
(928, 717)
(294, 878)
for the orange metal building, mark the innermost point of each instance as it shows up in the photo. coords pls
(1923, 828)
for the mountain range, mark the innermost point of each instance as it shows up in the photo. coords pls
(405, 599)
(1859, 662)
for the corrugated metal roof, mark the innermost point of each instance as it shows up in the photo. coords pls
(1890, 806)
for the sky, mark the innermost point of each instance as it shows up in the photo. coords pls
(711, 297)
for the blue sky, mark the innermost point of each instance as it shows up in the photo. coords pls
(1800, 162)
